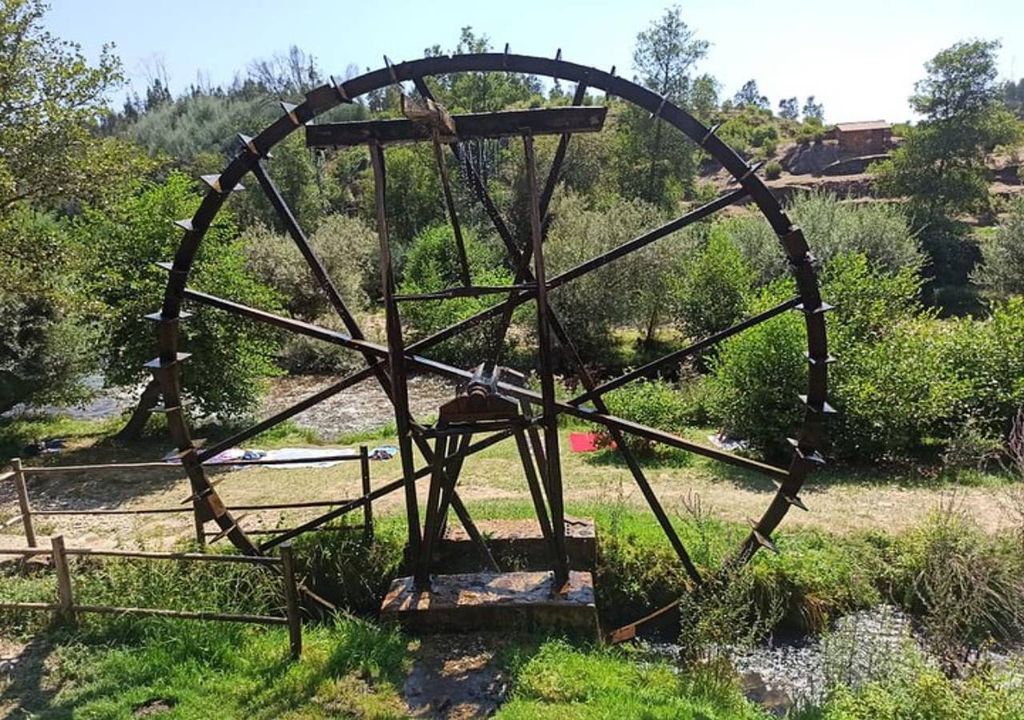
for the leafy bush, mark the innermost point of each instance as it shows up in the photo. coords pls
(710, 292)
(650, 402)
(123, 243)
(751, 131)
(896, 393)
(432, 264)
(833, 229)
(810, 132)
(905, 381)
(1001, 273)
(772, 169)
(345, 246)
(756, 377)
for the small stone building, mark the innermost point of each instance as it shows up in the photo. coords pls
(864, 138)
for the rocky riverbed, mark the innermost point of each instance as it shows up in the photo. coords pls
(357, 409)
(791, 672)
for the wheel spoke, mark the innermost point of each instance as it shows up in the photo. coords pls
(302, 242)
(578, 271)
(453, 217)
(438, 368)
(651, 367)
(396, 352)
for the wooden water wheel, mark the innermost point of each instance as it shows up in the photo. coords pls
(493, 404)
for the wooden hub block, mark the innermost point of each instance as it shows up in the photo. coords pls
(489, 601)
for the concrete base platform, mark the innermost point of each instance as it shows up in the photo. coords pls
(516, 545)
(489, 601)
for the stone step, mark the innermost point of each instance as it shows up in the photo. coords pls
(522, 601)
(516, 545)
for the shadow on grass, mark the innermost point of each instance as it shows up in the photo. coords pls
(27, 690)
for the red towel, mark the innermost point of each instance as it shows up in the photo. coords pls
(580, 442)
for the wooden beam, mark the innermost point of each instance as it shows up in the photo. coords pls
(547, 121)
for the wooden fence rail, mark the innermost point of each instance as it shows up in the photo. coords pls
(67, 609)
(19, 472)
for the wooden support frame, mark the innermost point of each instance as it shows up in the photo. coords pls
(473, 126)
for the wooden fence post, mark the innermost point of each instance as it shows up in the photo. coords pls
(60, 563)
(26, 510)
(291, 600)
(364, 467)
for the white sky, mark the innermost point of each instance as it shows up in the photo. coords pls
(859, 57)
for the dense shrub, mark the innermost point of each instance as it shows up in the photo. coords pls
(631, 291)
(906, 380)
(651, 402)
(1001, 273)
(751, 131)
(431, 265)
(345, 246)
(710, 293)
(833, 229)
(756, 378)
(348, 250)
(896, 393)
(772, 169)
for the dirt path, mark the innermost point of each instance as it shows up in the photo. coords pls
(457, 677)
(492, 475)
(357, 409)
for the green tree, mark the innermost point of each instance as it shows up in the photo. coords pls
(123, 243)
(46, 341)
(750, 96)
(941, 165)
(813, 111)
(664, 56)
(631, 291)
(789, 108)
(51, 159)
(51, 101)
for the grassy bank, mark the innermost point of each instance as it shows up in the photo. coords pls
(115, 668)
